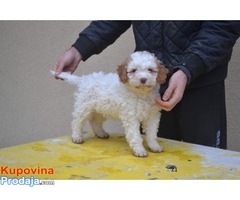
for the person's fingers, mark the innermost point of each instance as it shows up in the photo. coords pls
(168, 94)
(57, 71)
(165, 105)
(59, 67)
(174, 92)
(68, 62)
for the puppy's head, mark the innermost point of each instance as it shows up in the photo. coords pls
(142, 70)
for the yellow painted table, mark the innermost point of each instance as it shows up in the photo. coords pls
(95, 159)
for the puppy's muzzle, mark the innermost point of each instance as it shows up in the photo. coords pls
(143, 80)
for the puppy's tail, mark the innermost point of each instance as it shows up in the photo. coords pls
(68, 77)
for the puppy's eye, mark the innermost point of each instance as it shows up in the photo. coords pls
(132, 71)
(152, 70)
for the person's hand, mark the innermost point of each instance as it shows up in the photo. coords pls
(68, 62)
(174, 92)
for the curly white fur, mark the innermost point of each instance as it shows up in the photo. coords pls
(101, 96)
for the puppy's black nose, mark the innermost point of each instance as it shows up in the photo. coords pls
(143, 80)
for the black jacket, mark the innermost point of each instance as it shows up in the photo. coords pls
(202, 49)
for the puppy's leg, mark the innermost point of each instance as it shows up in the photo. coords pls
(133, 137)
(80, 117)
(96, 122)
(150, 126)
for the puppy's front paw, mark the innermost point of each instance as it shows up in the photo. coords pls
(77, 139)
(102, 135)
(140, 152)
(156, 148)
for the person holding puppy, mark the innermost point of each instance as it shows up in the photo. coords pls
(197, 55)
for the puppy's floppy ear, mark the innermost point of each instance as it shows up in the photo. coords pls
(162, 72)
(122, 71)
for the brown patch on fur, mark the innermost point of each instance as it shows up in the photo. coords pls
(122, 71)
(162, 72)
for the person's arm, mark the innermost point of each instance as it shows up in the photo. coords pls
(211, 48)
(99, 35)
(92, 40)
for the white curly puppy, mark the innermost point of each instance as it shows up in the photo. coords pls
(129, 96)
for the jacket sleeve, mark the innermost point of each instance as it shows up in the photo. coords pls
(99, 35)
(211, 47)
